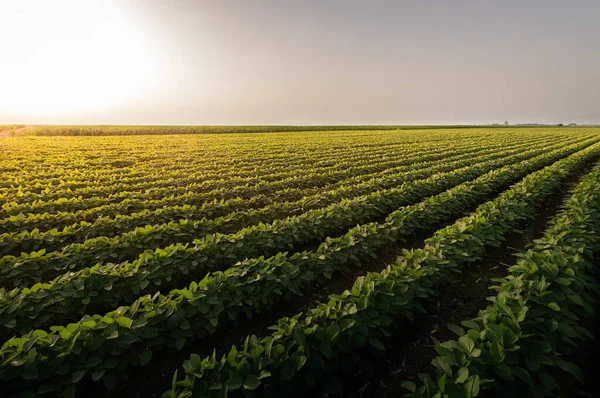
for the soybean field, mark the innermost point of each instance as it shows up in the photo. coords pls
(355, 262)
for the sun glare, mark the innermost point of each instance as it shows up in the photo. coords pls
(62, 57)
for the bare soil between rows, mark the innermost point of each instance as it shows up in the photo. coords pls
(7, 133)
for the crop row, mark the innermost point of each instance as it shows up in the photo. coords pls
(189, 176)
(95, 347)
(91, 169)
(130, 201)
(103, 210)
(200, 167)
(106, 286)
(35, 267)
(28, 163)
(316, 349)
(25, 235)
(520, 343)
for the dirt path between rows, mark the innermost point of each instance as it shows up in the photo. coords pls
(7, 133)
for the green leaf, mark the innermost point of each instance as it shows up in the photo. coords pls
(179, 343)
(93, 362)
(124, 321)
(576, 299)
(466, 343)
(461, 375)
(571, 368)
(69, 391)
(331, 332)
(497, 352)
(19, 362)
(76, 376)
(196, 361)
(562, 281)
(473, 334)
(523, 375)
(504, 372)
(298, 360)
(326, 350)
(472, 386)
(251, 382)
(442, 365)
(409, 385)
(456, 329)
(109, 381)
(234, 382)
(145, 357)
(441, 383)
(377, 344)
(346, 323)
(97, 375)
(299, 336)
(89, 324)
(553, 306)
(567, 330)
(470, 325)
(264, 373)
(232, 356)
(257, 352)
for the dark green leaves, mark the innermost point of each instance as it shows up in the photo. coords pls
(145, 357)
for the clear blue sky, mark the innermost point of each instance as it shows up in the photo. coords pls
(301, 62)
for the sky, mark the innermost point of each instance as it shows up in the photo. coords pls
(299, 61)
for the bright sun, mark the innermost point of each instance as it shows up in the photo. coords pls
(69, 56)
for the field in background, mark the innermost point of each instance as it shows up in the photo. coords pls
(161, 130)
(296, 263)
(7, 130)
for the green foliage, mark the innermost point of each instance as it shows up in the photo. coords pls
(91, 336)
(534, 320)
(112, 285)
(396, 291)
(39, 266)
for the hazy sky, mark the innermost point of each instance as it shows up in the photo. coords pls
(299, 62)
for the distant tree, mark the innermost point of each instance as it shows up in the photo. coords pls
(560, 124)
(506, 122)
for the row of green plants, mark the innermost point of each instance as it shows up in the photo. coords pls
(129, 202)
(105, 286)
(522, 343)
(319, 349)
(176, 207)
(151, 149)
(131, 158)
(44, 265)
(92, 348)
(189, 177)
(194, 170)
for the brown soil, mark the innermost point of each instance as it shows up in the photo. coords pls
(7, 133)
